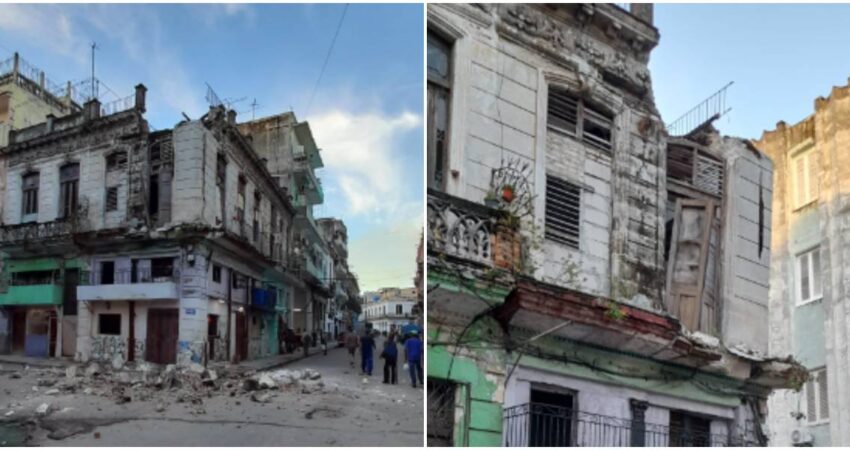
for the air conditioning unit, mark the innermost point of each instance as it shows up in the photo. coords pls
(801, 437)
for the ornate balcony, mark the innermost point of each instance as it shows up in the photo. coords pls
(30, 232)
(471, 231)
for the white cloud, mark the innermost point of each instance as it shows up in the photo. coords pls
(46, 26)
(361, 152)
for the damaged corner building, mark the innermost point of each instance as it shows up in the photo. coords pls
(178, 246)
(594, 279)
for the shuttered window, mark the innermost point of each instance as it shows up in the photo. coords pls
(817, 397)
(805, 170)
(30, 193)
(69, 178)
(112, 198)
(810, 287)
(571, 116)
(695, 168)
(563, 205)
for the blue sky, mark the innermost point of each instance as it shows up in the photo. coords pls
(780, 56)
(366, 115)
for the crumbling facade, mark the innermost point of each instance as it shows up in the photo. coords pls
(591, 280)
(810, 271)
(121, 244)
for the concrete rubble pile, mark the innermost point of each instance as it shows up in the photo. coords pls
(164, 385)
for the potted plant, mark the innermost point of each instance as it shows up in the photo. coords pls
(491, 200)
(507, 193)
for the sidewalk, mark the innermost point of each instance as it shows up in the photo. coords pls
(35, 362)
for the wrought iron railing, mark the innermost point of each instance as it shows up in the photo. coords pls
(28, 279)
(31, 232)
(542, 425)
(460, 228)
(709, 109)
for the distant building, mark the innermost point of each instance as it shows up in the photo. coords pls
(390, 313)
(810, 271)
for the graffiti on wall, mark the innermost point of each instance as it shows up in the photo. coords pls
(190, 352)
(104, 348)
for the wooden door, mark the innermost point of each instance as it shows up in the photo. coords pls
(688, 261)
(212, 334)
(161, 340)
(52, 329)
(19, 330)
(241, 337)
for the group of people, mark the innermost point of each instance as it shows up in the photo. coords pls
(293, 340)
(411, 343)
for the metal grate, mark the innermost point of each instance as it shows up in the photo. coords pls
(563, 211)
(441, 408)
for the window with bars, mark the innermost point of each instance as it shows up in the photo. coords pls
(441, 412)
(817, 397)
(69, 179)
(572, 116)
(809, 276)
(439, 95)
(116, 161)
(695, 168)
(563, 211)
(112, 198)
(30, 193)
(805, 169)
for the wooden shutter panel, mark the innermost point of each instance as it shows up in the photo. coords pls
(688, 260)
(812, 178)
(811, 410)
(799, 177)
(824, 395)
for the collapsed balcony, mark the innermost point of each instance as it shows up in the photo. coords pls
(545, 425)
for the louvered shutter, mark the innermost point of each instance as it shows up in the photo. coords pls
(811, 407)
(812, 178)
(562, 114)
(824, 395)
(563, 211)
(799, 180)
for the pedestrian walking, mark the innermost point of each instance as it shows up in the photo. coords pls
(367, 344)
(413, 353)
(351, 343)
(390, 356)
(308, 341)
(324, 335)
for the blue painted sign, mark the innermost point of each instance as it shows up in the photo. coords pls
(190, 311)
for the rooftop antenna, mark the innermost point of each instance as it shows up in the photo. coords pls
(93, 83)
(254, 105)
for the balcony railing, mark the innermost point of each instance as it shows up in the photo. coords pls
(459, 228)
(96, 278)
(537, 425)
(263, 299)
(11, 234)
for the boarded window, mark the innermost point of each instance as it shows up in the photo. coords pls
(109, 324)
(695, 168)
(563, 206)
(112, 198)
(817, 397)
(809, 276)
(69, 179)
(571, 116)
(116, 161)
(688, 270)
(30, 193)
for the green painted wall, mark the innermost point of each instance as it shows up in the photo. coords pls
(39, 294)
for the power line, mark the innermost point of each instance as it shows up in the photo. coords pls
(327, 57)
